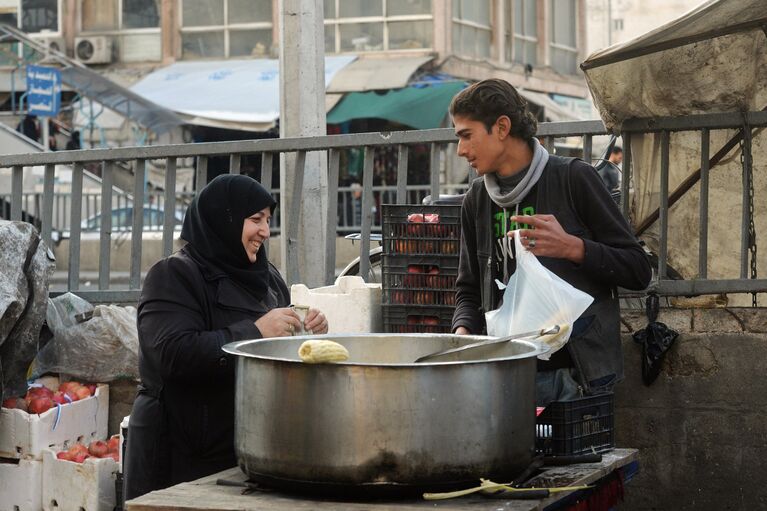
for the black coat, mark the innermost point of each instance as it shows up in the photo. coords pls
(182, 423)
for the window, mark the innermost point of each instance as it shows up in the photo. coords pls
(472, 33)
(564, 53)
(377, 25)
(618, 24)
(522, 31)
(226, 28)
(134, 25)
(39, 15)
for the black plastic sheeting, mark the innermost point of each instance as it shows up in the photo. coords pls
(656, 339)
(27, 267)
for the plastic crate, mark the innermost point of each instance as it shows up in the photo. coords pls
(421, 230)
(26, 435)
(419, 280)
(417, 319)
(579, 426)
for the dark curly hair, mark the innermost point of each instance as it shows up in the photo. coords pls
(487, 100)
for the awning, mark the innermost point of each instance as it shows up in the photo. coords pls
(421, 107)
(376, 73)
(552, 111)
(235, 94)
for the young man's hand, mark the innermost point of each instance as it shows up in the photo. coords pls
(548, 239)
(462, 330)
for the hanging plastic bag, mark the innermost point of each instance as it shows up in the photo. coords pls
(536, 298)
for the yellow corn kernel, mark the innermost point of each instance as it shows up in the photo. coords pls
(319, 351)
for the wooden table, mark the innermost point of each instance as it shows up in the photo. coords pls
(205, 494)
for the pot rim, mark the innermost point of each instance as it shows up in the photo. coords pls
(234, 348)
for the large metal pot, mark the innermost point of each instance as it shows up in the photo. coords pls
(379, 421)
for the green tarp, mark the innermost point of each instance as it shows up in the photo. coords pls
(419, 107)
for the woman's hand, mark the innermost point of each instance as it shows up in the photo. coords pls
(279, 323)
(316, 322)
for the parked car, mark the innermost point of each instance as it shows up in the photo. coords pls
(122, 220)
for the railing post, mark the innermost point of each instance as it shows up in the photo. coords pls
(17, 188)
(74, 228)
(169, 208)
(434, 169)
(234, 163)
(704, 167)
(334, 157)
(402, 174)
(105, 242)
(367, 207)
(202, 173)
(746, 212)
(266, 182)
(47, 212)
(626, 177)
(137, 229)
(664, 162)
(587, 149)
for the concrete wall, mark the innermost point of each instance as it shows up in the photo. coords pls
(701, 426)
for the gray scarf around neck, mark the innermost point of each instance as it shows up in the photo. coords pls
(515, 196)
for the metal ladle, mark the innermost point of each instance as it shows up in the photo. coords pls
(535, 333)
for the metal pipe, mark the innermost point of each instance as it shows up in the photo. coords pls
(105, 242)
(17, 187)
(434, 171)
(587, 148)
(745, 208)
(169, 208)
(293, 266)
(202, 173)
(47, 212)
(626, 175)
(234, 163)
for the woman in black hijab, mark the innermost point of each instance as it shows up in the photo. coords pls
(219, 288)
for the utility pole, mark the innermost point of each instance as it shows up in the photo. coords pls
(302, 114)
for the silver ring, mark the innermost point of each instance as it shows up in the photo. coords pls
(531, 243)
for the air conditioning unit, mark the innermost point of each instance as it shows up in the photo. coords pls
(95, 49)
(53, 43)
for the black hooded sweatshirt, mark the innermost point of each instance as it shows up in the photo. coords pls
(205, 295)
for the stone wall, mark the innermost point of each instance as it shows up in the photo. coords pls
(701, 426)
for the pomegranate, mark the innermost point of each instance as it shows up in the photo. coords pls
(80, 457)
(82, 392)
(113, 444)
(67, 385)
(98, 448)
(64, 455)
(60, 398)
(40, 405)
(91, 388)
(77, 449)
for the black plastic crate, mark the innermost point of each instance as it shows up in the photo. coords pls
(410, 229)
(580, 426)
(413, 319)
(428, 280)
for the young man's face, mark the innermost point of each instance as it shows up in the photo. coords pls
(481, 149)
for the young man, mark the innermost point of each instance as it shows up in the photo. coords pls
(610, 171)
(566, 218)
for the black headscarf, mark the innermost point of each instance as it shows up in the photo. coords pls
(213, 228)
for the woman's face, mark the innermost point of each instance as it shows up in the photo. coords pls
(255, 230)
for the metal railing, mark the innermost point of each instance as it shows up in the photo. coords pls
(439, 140)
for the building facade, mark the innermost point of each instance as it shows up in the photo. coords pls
(535, 44)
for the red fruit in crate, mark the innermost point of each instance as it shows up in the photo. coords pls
(98, 448)
(80, 457)
(60, 398)
(77, 449)
(413, 219)
(413, 320)
(431, 320)
(82, 392)
(114, 455)
(10, 403)
(91, 388)
(40, 405)
(113, 444)
(67, 385)
(64, 455)
(433, 280)
(411, 280)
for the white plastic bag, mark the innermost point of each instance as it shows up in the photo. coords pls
(536, 298)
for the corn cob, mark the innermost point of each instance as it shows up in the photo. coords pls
(318, 351)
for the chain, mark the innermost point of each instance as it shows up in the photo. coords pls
(747, 161)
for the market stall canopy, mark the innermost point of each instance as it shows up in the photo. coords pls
(418, 106)
(376, 73)
(718, 51)
(234, 94)
(552, 111)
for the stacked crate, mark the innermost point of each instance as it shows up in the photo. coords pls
(420, 264)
